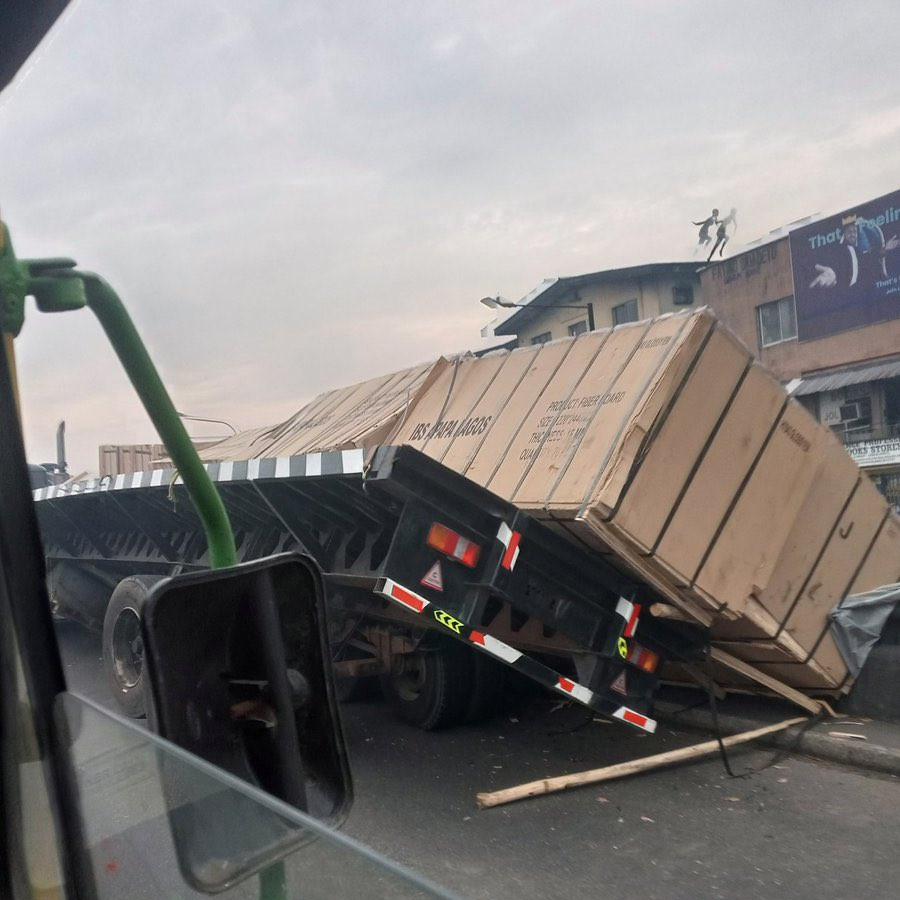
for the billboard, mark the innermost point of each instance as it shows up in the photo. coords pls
(847, 269)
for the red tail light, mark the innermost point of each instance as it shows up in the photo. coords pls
(454, 545)
(643, 658)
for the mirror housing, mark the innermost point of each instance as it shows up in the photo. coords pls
(238, 667)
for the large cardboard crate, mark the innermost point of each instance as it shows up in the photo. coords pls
(785, 632)
(663, 445)
(596, 423)
(360, 415)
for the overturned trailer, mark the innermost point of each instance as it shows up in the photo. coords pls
(659, 453)
(436, 583)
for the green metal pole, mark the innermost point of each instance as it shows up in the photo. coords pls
(129, 347)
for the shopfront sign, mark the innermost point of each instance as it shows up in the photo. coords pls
(876, 453)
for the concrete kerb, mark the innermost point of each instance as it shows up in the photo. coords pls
(849, 752)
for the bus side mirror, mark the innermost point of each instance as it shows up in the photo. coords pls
(239, 671)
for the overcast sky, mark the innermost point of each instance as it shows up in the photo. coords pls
(294, 196)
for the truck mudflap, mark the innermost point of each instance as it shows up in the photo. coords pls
(604, 700)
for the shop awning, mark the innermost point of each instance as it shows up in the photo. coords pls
(833, 381)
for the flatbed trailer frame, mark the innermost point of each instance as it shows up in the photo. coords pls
(494, 578)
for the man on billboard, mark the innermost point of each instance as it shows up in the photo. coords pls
(845, 272)
(859, 259)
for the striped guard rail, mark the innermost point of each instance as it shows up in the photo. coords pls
(331, 462)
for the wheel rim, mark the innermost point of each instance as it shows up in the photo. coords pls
(409, 681)
(128, 648)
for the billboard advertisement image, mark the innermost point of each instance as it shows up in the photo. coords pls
(847, 269)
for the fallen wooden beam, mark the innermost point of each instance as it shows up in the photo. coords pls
(773, 684)
(620, 770)
(666, 611)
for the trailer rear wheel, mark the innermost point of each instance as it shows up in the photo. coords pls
(123, 646)
(430, 688)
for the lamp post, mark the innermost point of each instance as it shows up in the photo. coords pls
(499, 302)
(182, 415)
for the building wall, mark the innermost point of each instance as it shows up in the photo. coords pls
(654, 297)
(735, 287)
(556, 321)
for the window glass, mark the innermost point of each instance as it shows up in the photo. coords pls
(541, 338)
(788, 318)
(578, 328)
(136, 790)
(682, 295)
(777, 321)
(625, 312)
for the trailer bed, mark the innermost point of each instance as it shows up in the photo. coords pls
(556, 612)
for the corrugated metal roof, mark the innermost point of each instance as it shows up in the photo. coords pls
(554, 290)
(833, 381)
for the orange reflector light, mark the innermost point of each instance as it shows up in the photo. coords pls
(643, 658)
(454, 545)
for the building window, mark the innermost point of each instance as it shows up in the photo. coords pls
(625, 312)
(892, 407)
(682, 295)
(848, 413)
(541, 338)
(777, 321)
(577, 328)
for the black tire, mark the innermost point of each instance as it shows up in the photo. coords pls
(123, 648)
(430, 689)
(485, 701)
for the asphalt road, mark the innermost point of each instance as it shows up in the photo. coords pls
(801, 829)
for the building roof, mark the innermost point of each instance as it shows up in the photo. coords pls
(877, 370)
(553, 292)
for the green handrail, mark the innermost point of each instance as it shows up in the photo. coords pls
(57, 286)
(115, 321)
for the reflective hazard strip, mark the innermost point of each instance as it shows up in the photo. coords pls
(630, 612)
(331, 462)
(498, 648)
(510, 539)
(577, 691)
(624, 608)
(512, 552)
(314, 464)
(400, 594)
(632, 625)
(352, 460)
(525, 664)
(633, 718)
